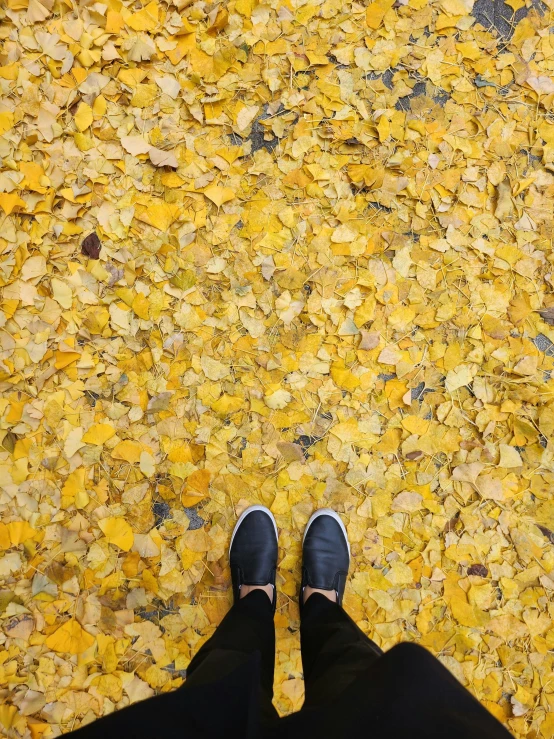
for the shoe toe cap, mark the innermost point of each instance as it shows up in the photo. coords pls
(254, 548)
(326, 554)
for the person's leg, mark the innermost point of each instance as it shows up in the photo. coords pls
(334, 650)
(229, 684)
(246, 629)
(406, 692)
(350, 684)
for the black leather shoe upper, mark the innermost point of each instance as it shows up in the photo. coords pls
(253, 552)
(326, 555)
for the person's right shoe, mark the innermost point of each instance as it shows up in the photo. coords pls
(326, 554)
(254, 550)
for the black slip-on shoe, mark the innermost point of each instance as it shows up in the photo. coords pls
(253, 550)
(326, 554)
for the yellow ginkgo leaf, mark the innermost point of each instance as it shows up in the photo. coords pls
(160, 215)
(375, 12)
(6, 121)
(141, 306)
(34, 177)
(383, 128)
(37, 730)
(9, 201)
(96, 319)
(98, 434)
(146, 19)
(343, 377)
(20, 531)
(147, 466)
(197, 487)
(117, 531)
(227, 404)
(458, 377)
(8, 715)
(70, 638)
(219, 195)
(74, 489)
(63, 359)
(509, 456)
(83, 117)
(128, 450)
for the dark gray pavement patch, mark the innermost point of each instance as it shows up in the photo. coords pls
(498, 15)
(195, 521)
(544, 344)
(161, 511)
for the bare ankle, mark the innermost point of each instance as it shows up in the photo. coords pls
(330, 594)
(268, 590)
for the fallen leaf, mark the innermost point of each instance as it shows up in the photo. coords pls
(135, 145)
(98, 434)
(83, 117)
(219, 195)
(161, 158)
(71, 638)
(91, 246)
(117, 531)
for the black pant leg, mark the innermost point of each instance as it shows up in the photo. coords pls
(403, 694)
(334, 650)
(247, 628)
(227, 693)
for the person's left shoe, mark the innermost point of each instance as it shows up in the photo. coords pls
(325, 554)
(253, 550)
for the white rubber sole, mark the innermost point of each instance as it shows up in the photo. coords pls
(247, 512)
(333, 514)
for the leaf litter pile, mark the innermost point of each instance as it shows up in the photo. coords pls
(297, 254)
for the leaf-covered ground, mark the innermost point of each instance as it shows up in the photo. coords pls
(293, 253)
